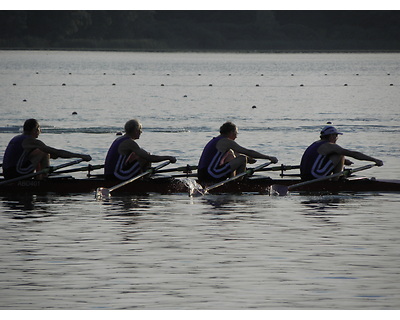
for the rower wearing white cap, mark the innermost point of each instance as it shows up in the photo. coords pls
(324, 157)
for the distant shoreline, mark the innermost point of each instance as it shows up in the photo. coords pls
(198, 51)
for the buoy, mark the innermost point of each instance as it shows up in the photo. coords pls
(74, 112)
(210, 85)
(63, 84)
(119, 133)
(24, 100)
(253, 107)
(345, 84)
(257, 85)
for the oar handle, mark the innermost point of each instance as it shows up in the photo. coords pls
(162, 165)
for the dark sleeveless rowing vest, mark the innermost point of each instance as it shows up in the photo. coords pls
(313, 164)
(209, 167)
(115, 164)
(15, 160)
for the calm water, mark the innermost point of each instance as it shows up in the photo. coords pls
(213, 252)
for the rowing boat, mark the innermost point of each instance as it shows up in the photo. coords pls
(169, 185)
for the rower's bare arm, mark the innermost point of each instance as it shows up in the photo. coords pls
(361, 156)
(32, 144)
(134, 147)
(248, 152)
(329, 148)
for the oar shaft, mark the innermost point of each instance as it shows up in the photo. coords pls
(44, 171)
(149, 171)
(247, 172)
(339, 174)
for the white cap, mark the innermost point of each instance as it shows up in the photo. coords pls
(329, 130)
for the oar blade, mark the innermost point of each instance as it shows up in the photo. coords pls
(103, 193)
(278, 190)
(194, 189)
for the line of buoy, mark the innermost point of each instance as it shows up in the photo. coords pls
(230, 74)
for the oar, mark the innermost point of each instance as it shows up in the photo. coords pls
(283, 190)
(248, 172)
(86, 168)
(106, 193)
(44, 171)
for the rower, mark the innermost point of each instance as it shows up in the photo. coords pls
(25, 153)
(125, 159)
(222, 157)
(324, 157)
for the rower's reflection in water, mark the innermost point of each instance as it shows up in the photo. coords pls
(125, 205)
(25, 203)
(224, 203)
(326, 207)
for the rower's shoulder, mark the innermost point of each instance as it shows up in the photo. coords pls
(29, 140)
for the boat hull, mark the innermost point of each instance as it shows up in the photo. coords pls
(168, 185)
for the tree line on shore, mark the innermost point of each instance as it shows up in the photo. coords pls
(201, 30)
